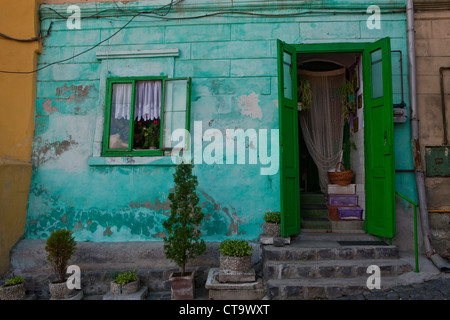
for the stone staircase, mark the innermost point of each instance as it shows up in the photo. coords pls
(326, 266)
(315, 216)
(314, 212)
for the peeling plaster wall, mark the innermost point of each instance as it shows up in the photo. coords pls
(233, 65)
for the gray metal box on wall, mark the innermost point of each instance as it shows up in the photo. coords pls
(437, 161)
(400, 115)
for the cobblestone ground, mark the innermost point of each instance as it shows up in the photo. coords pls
(436, 289)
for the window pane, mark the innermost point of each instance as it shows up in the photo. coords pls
(147, 115)
(119, 131)
(146, 134)
(148, 100)
(377, 74)
(174, 108)
(287, 71)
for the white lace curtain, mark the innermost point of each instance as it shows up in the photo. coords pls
(147, 102)
(322, 126)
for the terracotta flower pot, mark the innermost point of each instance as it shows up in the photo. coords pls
(128, 288)
(16, 292)
(272, 229)
(182, 286)
(59, 290)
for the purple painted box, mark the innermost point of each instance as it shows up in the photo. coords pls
(350, 212)
(343, 199)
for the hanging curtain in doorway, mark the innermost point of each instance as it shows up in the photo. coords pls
(323, 124)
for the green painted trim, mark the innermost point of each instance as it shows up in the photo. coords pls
(106, 126)
(130, 161)
(133, 153)
(384, 225)
(106, 152)
(388, 229)
(130, 79)
(289, 169)
(331, 47)
(161, 125)
(188, 113)
(132, 112)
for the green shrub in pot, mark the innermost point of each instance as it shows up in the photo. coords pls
(272, 226)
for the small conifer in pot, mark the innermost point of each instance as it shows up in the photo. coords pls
(183, 241)
(60, 247)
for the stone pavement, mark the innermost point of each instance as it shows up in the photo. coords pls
(435, 289)
(428, 284)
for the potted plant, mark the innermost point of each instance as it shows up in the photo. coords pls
(60, 247)
(183, 242)
(348, 98)
(235, 261)
(125, 283)
(13, 289)
(235, 255)
(147, 134)
(272, 226)
(304, 95)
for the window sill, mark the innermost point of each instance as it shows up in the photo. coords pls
(131, 161)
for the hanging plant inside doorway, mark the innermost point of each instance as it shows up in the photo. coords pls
(348, 98)
(304, 96)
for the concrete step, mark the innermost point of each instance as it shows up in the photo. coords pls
(322, 225)
(352, 226)
(312, 198)
(315, 223)
(314, 213)
(325, 288)
(303, 236)
(328, 265)
(332, 268)
(328, 250)
(251, 290)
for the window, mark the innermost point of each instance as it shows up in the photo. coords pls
(142, 113)
(377, 73)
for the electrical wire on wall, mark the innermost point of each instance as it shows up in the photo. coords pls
(20, 40)
(91, 48)
(156, 13)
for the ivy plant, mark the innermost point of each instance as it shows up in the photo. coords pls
(304, 95)
(348, 99)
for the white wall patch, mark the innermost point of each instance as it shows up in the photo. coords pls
(250, 106)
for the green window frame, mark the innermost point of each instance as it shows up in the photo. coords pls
(167, 107)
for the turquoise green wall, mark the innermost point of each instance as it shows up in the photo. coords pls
(229, 57)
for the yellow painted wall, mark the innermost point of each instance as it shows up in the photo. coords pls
(18, 19)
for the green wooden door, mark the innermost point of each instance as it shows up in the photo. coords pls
(289, 157)
(379, 140)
